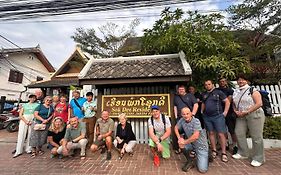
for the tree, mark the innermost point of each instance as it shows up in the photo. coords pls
(262, 17)
(107, 42)
(206, 41)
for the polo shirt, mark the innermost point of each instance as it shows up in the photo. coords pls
(105, 126)
(188, 100)
(72, 133)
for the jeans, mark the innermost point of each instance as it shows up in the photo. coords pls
(202, 158)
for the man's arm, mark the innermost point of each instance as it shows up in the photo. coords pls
(152, 135)
(192, 138)
(176, 112)
(195, 108)
(226, 106)
(166, 134)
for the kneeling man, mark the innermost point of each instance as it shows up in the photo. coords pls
(104, 132)
(196, 140)
(74, 138)
(159, 134)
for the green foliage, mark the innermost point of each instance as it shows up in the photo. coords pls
(206, 41)
(256, 18)
(107, 42)
(272, 128)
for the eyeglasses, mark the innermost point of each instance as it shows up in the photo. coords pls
(48, 100)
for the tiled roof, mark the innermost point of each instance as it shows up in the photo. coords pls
(55, 83)
(140, 67)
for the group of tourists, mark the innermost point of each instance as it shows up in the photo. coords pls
(200, 119)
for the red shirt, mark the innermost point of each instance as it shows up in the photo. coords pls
(61, 110)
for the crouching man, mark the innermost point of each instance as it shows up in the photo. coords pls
(196, 141)
(159, 134)
(74, 138)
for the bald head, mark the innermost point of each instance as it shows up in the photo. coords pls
(186, 114)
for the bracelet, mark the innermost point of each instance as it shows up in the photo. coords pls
(157, 142)
(160, 140)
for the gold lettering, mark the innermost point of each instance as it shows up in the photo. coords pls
(124, 102)
(142, 99)
(162, 101)
(112, 101)
(118, 102)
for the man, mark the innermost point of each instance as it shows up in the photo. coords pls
(75, 105)
(198, 96)
(104, 132)
(214, 117)
(181, 100)
(74, 138)
(39, 96)
(90, 108)
(230, 118)
(159, 134)
(196, 140)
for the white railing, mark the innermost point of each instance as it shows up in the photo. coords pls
(274, 96)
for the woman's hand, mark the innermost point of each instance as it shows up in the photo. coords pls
(45, 121)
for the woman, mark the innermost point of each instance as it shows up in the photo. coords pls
(247, 106)
(61, 109)
(26, 117)
(55, 135)
(125, 138)
(43, 115)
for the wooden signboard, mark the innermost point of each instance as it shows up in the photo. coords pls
(136, 105)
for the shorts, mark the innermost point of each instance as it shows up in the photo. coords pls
(166, 147)
(215, 123)
(99, 142)
(230, 121)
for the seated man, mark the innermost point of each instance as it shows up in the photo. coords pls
(196, 140)
(74, 138)
(159, 134)
(104, 133)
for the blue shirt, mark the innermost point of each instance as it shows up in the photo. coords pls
(77, 111)
(213, 102)
(189, 128)
(188, 100)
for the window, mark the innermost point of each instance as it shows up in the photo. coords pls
(15, 76)
(39, 78)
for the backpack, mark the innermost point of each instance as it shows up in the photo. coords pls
(265, 101)
(164, 122)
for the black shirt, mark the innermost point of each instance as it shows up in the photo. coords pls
(125, 134)
(188, 100)
(228, 92)
(57, 136)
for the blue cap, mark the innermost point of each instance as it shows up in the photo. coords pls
(154, 107)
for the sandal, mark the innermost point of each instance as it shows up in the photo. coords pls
(40, 152)
(214, 154)
(192, 154)
(33, 154)
(121, 156)
(224, 157)
(178, 151)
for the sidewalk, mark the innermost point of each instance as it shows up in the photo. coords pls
(140, 163)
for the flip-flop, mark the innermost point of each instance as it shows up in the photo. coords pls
(41, 152)
(33, 154)
(214, 154)
(178, 151)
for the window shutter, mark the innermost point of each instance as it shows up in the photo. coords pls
(20, 77)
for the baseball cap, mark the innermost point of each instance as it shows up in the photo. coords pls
(154, 107)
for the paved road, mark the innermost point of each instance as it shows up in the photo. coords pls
(140, 163)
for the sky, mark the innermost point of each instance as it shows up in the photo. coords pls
(55, 39)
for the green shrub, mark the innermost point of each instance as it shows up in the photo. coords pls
(272, 128)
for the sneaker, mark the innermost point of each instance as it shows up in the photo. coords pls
(238, 156)
(156, 161)
(108, 156)
(234, 150)
(187, 166)
(60, 156)
(255, 163)
(52, 156)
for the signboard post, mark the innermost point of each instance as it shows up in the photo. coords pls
(136, 105)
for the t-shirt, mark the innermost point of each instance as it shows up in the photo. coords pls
(61, 110)
(43, 112)
(88, 112)
(189, 128)
(57, 136)
(76, 110)
(159, 125)
(228, 92)
(72, 133)
(213, 102)
(29, 108)
(105, 126)
(188, 100)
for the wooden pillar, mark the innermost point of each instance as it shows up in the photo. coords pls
(99, 102)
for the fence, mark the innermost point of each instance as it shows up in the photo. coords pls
(274, 96)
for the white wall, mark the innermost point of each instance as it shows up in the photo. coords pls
(29, 65)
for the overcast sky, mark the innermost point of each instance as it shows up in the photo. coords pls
(55, 40)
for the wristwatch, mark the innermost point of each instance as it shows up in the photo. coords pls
(160, 140)
(157, 142)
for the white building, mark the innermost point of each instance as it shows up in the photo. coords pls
(20, 67)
